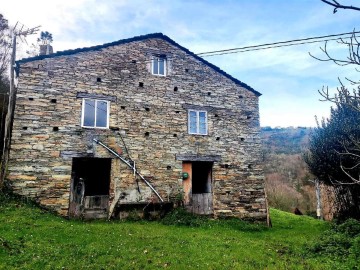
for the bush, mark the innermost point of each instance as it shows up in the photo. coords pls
(332, 244)
(350, 227)
(340, 242)
(355, 248)
(181, 217)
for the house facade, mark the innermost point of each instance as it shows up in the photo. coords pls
(135, 122)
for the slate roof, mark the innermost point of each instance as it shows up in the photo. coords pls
(138, 38)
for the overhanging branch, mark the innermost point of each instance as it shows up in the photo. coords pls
(337, 5)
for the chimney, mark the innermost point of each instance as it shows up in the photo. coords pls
(46, 49)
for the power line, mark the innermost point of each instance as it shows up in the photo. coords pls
(278, 44)
(270, 47)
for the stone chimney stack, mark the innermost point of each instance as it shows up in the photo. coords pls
(46, 49)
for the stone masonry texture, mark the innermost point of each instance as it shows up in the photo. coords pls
(152, 118)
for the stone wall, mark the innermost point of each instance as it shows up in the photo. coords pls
(152, 116)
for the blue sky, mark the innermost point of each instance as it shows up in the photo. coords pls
(287, 77)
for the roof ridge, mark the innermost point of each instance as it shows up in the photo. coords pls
(138, 38)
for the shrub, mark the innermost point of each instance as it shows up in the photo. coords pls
(355, 248)
(350, 227)
(181, 217)
(341, 242)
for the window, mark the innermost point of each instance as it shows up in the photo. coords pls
(95, 113)
(197, 122)
(158, 66)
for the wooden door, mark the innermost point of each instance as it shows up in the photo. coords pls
(198, 196)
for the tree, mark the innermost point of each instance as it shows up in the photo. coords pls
(334, 153)
(5, 46)
(5, 51)
(45, 38)
(43, 41)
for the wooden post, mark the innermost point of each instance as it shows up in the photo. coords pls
(318, 199)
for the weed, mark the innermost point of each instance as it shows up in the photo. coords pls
(181, 217)
(340, 243)
(350, 227)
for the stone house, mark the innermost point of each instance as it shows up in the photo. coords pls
(140, 122)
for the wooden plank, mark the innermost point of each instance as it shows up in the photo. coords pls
(198, 204)
(96, 202)
(202, 204)
(206, 203)
(210, 204)
(187, 183)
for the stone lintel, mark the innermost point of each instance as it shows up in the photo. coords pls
(198, 107)
(96, 96)
(71, 154)
(192, 157)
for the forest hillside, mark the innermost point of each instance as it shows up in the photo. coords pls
(288, 180)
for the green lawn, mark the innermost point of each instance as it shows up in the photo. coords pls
(31, 238)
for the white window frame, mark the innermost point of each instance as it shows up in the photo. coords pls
(157, 58)
(107, 113)
(198, 122)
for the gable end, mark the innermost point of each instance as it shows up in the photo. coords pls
(137, 38)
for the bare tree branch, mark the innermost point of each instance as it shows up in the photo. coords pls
(337, 6)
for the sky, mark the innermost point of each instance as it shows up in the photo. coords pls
(288, 77)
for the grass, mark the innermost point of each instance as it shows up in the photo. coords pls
(31, 238)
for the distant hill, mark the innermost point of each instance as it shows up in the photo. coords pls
(288, 140)
(288, 180)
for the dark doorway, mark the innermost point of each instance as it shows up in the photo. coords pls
(90, 184)
(95, 173)
(201, 177)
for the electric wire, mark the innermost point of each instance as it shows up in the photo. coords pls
(283, 43)
(269, 47)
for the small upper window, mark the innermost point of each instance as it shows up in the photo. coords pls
(158, 66)
(197, 122)
(95, 113)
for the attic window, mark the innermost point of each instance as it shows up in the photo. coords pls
(158, 65)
